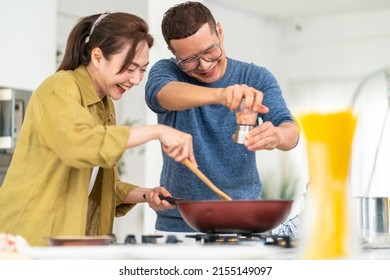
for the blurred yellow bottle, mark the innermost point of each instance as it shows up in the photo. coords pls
(327, 224)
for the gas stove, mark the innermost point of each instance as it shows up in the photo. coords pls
(214, 239)
(170, 247)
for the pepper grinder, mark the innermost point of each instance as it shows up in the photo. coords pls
(245, 120)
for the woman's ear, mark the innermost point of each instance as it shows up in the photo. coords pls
(96, 56)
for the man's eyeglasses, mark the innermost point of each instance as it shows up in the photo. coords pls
(190, 63)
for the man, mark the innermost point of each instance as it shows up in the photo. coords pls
(198, 92)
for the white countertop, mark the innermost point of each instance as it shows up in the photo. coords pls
(181, 252)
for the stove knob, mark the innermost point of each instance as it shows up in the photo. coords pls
(172, 239)
(130, 239)
(150, 239)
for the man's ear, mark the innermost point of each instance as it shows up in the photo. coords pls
(220, 31)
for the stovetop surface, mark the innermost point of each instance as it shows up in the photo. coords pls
(204, 246)
(210, 247)
(160, 251)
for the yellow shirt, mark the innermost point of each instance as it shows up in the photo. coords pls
(67, 131)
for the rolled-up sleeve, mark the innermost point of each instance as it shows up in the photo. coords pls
(122, 191)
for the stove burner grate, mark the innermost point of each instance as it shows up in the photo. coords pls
(216, 239)
(243, 239)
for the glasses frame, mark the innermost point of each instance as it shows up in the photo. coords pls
(199, 56)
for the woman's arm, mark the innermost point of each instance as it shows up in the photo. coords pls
(176, 144)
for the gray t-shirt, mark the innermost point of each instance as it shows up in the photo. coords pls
(230, 166)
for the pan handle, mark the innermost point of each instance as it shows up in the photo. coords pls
(171, 200)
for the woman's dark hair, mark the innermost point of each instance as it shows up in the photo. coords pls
(184, 20)
(111, 34)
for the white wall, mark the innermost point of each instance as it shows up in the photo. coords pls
(339, 46)
(28, 42)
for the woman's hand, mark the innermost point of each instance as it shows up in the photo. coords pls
(152, 197)
(176, 144)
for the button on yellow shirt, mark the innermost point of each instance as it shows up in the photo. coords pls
(66, 132)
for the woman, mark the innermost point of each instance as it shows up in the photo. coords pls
(69, 129)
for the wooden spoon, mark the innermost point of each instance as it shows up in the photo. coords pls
(205, 180)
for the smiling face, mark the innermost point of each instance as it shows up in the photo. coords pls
(105, 71)
(207, 72)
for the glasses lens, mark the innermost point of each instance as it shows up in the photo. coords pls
(189, 64)
(211, 54)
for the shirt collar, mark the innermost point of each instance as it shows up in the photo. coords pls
(90, 94)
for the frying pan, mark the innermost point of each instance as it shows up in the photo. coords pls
(232, 216)
(227, 215)
(80, 240)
